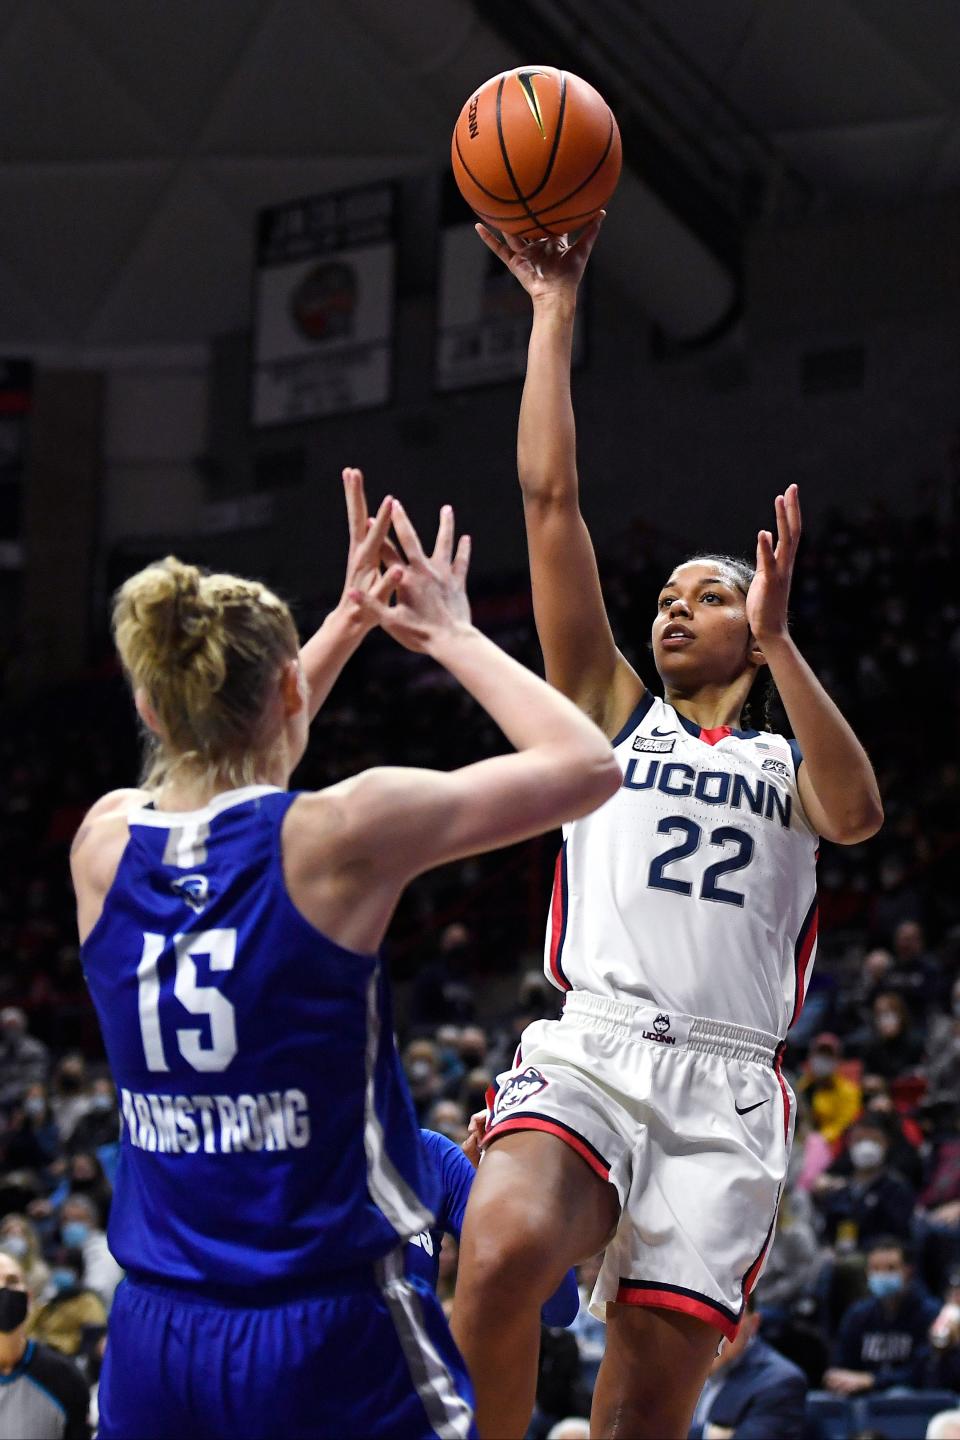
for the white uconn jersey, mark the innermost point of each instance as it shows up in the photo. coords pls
(694, 888)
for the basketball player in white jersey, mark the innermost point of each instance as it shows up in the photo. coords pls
(652, 1118)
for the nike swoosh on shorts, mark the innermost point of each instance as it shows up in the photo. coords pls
(747, 1108)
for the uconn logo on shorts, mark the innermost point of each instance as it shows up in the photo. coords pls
(518, 1088)
(661, 1030)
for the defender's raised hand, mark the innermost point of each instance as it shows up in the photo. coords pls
(431, 598)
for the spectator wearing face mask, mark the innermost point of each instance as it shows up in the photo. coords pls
(834, 1098)
(19, 1238)
(860, 1197)
(24, 1060)
(892, 1046)
(42, 1393)
(883, 1339)
(916, 975)
(80, 1230)
(100, 1124)
(69, 1098)
(62, 1320)
(32, 1141)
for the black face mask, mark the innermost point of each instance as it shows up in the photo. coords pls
(13, 1309)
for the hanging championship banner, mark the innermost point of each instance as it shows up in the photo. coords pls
(324, 305)
(483, 315)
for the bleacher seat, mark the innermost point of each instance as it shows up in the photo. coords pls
(827, 1417)
(905, 1416)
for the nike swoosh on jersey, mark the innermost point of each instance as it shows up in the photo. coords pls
(747, 1108)
(662, 732)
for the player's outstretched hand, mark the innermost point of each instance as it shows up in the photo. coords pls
(545, 267)
(369, 552)
(431, 596)
(769, 594)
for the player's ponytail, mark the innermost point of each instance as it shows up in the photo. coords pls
(204, 649)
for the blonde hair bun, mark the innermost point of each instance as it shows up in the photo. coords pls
(204, 649)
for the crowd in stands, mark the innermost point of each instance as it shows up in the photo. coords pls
(861, 1294)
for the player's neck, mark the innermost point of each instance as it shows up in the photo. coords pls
(710, 706)
(12, 1347)
(185, 789)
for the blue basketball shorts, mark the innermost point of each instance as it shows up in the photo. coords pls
(375, 1359)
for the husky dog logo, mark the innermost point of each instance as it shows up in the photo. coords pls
(194, 890)
(661, 1030)
(518, 1087)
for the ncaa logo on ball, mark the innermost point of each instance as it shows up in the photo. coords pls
(517, 1089)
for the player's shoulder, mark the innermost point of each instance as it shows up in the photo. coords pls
(106, 817)
(646, 711)
(777, 753)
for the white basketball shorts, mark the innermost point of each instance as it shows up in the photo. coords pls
(689, 1119)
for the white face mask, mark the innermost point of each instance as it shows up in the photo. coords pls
(822, 1065)
(866, 1154)
(888, 1023)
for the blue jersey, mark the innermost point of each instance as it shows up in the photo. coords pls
(423, 1252)
(268, 1137)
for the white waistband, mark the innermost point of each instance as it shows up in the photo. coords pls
(660, 1027)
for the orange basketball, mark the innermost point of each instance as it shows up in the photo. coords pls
(536, 152)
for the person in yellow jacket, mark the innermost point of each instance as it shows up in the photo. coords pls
(835, 1099)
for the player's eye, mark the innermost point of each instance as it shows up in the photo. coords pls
(665, 601)
(712, 595)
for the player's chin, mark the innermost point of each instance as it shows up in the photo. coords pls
(683, 661)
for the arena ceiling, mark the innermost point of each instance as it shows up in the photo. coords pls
(140, 138)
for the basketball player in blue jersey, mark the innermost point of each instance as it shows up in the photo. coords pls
(651, 1121)
(455, 1172)
(271, 1170)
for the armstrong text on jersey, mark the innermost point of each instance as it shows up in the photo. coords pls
(711, 787)
(219, 1124)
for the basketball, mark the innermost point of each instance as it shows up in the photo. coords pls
(536, 152)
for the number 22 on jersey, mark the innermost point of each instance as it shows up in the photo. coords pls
(220, 946)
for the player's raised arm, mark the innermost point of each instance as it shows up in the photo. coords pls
(396, 823)
(837, 785)
(579, 650)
